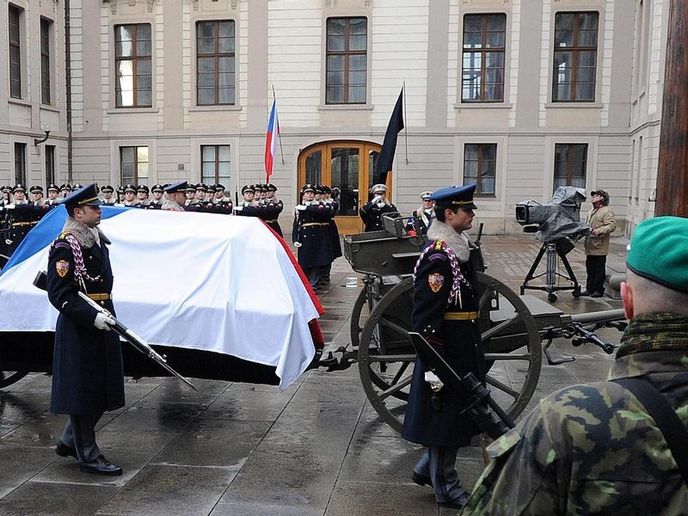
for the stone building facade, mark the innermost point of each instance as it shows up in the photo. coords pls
(517, 95)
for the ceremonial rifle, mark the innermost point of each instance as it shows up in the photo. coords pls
(141, 345)
(485, 411)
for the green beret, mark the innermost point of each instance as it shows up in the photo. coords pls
(659, 251)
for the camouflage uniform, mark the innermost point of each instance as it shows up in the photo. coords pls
(593, 449)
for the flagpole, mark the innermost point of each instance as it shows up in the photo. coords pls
(403, 89)
(279, 133)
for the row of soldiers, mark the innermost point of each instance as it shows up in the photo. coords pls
(19, 213)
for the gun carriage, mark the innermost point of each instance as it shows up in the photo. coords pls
(513, 327)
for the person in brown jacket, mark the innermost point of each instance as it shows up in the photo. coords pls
(603, 222)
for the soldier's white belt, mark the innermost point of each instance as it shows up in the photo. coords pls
(19, 224)
(460, 316)
(309, 224)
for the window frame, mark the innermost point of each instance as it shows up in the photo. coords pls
(346, 53)
(134, 58)
(216, 174)
(216, 55)
(20, 163)
(137, 178)
(575, 50)
(483, 50)
(480, 168)
(14, 46)
(46, 25)
(49, 161)
(570, 163)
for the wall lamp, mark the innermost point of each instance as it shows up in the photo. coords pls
(38, 141)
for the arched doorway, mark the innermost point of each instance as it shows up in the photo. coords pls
(347, 165)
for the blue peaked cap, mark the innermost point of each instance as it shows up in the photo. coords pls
(455, 195)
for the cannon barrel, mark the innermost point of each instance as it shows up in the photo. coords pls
(599, 317)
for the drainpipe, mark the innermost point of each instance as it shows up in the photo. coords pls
(68, 89)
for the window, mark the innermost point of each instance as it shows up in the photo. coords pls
(46, 31)
(49, 164)
(20, 163)
(575, 57)
(134, 165)
(15, 52)
(347, 64)
(215, 48)
(570, 163)
(215, 164)
(479, 166)
(484, 37)
(133, 65)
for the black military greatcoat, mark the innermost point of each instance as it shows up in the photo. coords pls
(445, 307)
(87, 362)
(372, 213)
(312, 230)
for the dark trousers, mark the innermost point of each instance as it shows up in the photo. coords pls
(439, 463)
(80, 434)
(595, 266)
(314, 274)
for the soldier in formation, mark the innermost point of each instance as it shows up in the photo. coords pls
(601, 448)
(311, 235)
(423, 217)
(372, 212)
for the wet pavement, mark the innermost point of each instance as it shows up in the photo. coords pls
(243, 449)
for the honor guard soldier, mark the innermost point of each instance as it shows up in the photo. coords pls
(210, 194)
(246, 206)
(6, 192)
(53, 196)
(142, 192)
(445, 312)
(373, 211)
(22, 216)
(333, 232)
(190, 193)
(156, 202)
(201, 190)
(273, 207)
(423, 217)
(175, 196)
(65, 190)
(129, 195)
(310, 234)
(36, 192)
(224, 202)
(87, 359)
(120, 196)
(107, 192)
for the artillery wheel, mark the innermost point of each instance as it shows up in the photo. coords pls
(360, 314)
(509, 334)
(7, 378)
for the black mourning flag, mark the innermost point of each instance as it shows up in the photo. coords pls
(389, 146)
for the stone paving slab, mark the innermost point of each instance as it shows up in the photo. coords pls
(241, 449)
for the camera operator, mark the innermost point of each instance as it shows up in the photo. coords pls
(373, 211)
(603, 222)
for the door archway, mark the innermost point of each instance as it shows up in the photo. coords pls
(347, 165)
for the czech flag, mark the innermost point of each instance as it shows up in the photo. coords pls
(270, 140)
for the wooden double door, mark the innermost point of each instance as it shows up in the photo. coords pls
(348, 166)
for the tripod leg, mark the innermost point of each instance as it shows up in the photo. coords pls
(569, 270)
(533, 268)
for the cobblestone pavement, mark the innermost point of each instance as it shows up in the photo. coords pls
(317, 448)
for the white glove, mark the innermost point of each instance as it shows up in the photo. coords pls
(9, 206)
(103, 322)
(297, 244)
(435, 383)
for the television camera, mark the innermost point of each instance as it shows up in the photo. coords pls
(557, 225)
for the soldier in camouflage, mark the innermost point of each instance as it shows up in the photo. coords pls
(593, 448)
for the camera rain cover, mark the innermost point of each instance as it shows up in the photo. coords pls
(563, 216)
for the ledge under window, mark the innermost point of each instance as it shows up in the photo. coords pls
(574, 105)
(482, 105)
(19, 102)
(50, 107)
(215, 107)
(345, 107)
(129, 110)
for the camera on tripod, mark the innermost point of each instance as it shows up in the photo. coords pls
(557, 224)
